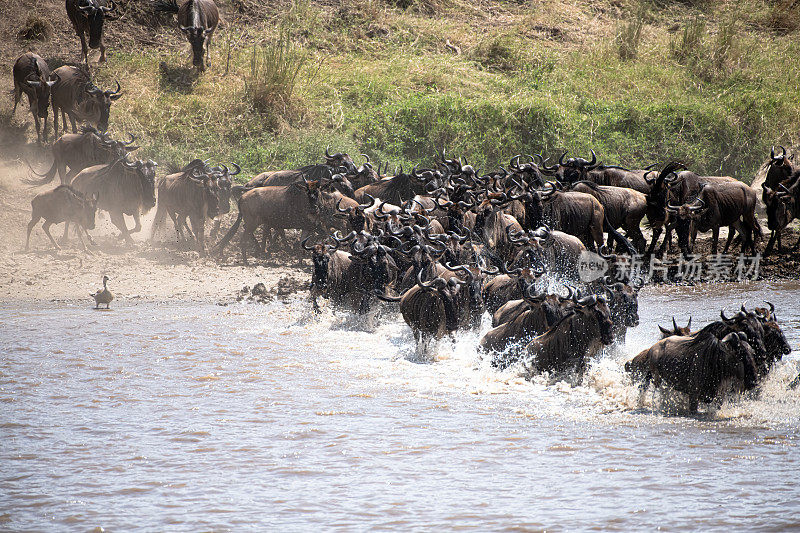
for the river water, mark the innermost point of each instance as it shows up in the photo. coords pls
(188, 417)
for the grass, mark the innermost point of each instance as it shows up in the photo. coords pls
(702, 82)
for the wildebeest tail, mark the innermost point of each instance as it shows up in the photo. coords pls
(238, 190)
(621, 240)
(166, 6)
(46, 178)
(220, 246)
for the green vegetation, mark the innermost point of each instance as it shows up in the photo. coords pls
(711, 83)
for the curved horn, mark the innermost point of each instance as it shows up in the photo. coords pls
(723, 317)
(304, 245)
(674, 324)
(327, 152)
(561, 159)
(548, 193)
(362, 207)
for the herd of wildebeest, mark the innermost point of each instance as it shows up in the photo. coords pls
(445, 243)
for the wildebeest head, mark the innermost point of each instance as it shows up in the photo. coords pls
(98, 104)
(145, 171)
(774, 340)
(533, 173)
(749, 323)
(596, 308)
(575, 168)
(94, 14)
(778, 169)
(88, 211)
(320, 259)
(197, 35)
(340, 159)
(224, 179)
(740, 358)
(625, 303)
(676, 329)
(41, 86)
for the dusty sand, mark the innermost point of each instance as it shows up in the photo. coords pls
(160, 271)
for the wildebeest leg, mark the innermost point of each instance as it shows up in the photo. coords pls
(118, 219)
(38, 128)
(46, 228)
(72, 121)
(55, 133)
(731, 232)
(17, 96)
(88, 237)
(198, 225)
(208, 50)
(215, 228)
(102, 52)
(247, 238)
(84, 48)
(714, 239)
(65, 238)
(694, 403)
(656, 234)
(80, 237)
(34, 220)
(137, 223)
(770, 243)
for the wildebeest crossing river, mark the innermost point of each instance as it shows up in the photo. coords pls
(182, 416)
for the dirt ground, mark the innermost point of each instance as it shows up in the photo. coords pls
(164, 270)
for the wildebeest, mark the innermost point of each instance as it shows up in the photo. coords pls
(77, 151)
(720, 204)
(293, 206)
(576, 338)
(676, 329)
(197, 20)
(623, 208)
(701, 366)
(123, 187)
(437, 307)
(579, 169)
(76, 96)
(783, 206)
(395, 190)
(32, 77)
(192, 192)
(775, 341)
(576, 213)
(87, 17)
(540, 312)
(62, 204)
(351, 278)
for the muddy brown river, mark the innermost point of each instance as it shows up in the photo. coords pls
(185, 417)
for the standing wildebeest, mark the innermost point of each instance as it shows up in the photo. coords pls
(624, 208)
(574, 339)
(62, 204)
(720, 204)
(579, 169)
(87, 17)
(192, 192)
(701, 366)
(81, 150)
(293, 206)
(782, 207)
(32, 77)
(197, 19)
(76, 96)
(123, 188)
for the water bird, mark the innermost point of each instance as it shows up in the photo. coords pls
(102, 296)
